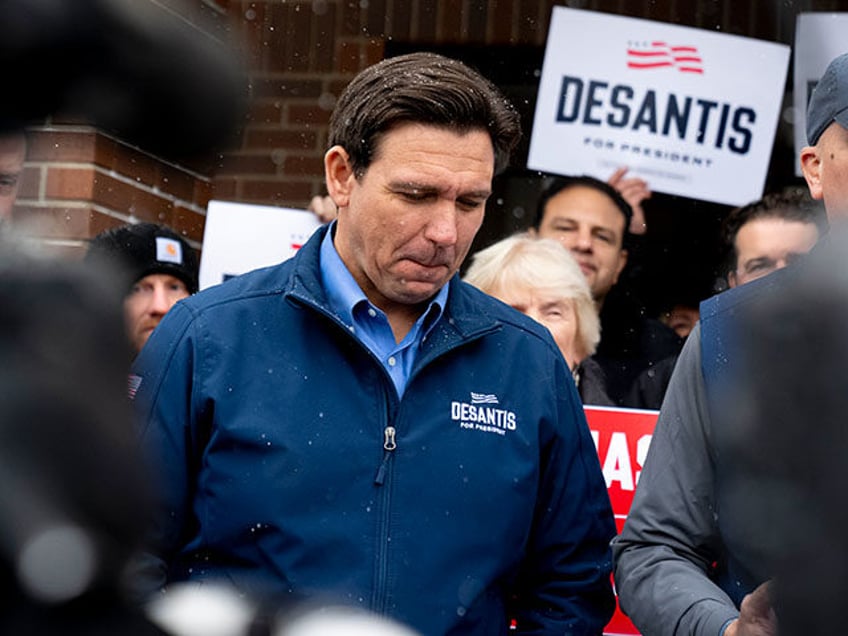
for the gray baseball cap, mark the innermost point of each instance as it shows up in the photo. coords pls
(829, 101)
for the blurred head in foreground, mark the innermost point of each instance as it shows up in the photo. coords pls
(791, 440)
(74, 493)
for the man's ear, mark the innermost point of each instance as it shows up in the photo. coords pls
(732, 280)
(811, 166)
(622, 261)
(339, 175)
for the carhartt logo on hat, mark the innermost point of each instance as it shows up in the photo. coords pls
(168, 250)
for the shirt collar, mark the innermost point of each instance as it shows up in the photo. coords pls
(344, 293)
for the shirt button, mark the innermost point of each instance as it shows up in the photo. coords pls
(392, 362)
(371, 312)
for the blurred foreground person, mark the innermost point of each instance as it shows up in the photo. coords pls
(94, 58)
(215, 609)
(355, 425)
(541, 279)
(12, 156)
(160, 268)
(786, 452)
(76, 496)
(339, 621)
(690, 558)
(75, 502)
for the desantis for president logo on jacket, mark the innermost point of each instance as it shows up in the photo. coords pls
(482, 413)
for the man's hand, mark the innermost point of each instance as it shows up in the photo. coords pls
(324, 208)
(756, 616)
(634, 190)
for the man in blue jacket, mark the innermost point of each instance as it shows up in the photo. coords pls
(358, 426)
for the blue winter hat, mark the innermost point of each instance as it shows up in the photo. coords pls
(829, 101)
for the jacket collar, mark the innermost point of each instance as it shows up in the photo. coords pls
(461, 317)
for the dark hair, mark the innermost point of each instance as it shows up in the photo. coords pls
(423, 88)
(564, 183)
(793, 204)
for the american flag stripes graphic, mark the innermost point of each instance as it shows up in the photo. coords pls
(652, 55)
(484, 398)
(133, 382)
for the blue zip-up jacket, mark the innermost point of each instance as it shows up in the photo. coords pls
(291, 469)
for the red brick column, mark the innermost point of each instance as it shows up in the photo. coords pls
(78, 182)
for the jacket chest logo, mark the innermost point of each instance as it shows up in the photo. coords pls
(483, 413)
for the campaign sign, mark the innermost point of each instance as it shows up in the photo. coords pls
(819, 37)
(240, 237)
(692, 112)
(622, 438)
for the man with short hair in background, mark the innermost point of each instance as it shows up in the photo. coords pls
(592, 219)
(770, 234)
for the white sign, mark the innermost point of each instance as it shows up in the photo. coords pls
(240, 237)
(692, 112)
(819, 37)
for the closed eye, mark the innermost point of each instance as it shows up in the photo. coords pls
(416, 195)
(470, 204)
(606, 237)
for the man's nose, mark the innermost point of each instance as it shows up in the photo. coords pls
(441, 226)
(160, 301)
(583, 240)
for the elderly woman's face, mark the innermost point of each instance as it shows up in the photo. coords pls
(556, 313)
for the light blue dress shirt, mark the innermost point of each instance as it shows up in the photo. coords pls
(369, 323)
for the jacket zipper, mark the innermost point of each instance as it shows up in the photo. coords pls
(389, 445)
(382, 560)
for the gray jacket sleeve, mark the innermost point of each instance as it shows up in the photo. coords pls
(671, 537)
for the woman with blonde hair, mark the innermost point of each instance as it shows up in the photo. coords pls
(540, 278)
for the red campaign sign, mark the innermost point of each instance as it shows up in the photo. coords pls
(621, 437)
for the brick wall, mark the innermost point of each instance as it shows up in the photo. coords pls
(299, 55)
(78, 182)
